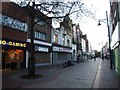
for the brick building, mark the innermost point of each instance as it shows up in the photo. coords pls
(14, 35)
(42, 39)
(15, 40)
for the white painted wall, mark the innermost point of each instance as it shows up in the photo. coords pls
(119, 31)
(59, 33)
(60, 37)
(68, 38)
(115, 36)
(83, 45)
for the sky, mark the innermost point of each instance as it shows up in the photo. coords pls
(97, 35)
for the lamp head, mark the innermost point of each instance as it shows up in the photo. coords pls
(99, 23)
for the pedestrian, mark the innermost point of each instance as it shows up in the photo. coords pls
(78, 57)
(94, 58)
(102, 57)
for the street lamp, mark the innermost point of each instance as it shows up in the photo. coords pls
(110, 56)
(102, 53)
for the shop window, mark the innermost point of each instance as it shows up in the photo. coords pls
(14, 55)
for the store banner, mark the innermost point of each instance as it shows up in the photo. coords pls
(41, 49)
(6, 42)
(38, 48)
(62, 49)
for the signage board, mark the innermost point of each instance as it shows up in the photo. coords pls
(12, 43)
(115, 37)
(14, 23)
(61, 49)
(41, 49)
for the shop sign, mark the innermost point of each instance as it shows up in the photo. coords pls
(13, 23)
(41, 49)
(61, 49)
(11, 43)
(115, 37)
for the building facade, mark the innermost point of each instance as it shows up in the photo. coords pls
(115, 34)
(79, 43)
(42, 40)
(61, 43)
(74, 43)
(16, 33)
(85, 47)
(14, 36)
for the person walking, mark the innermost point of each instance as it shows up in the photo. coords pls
(94, 58)
(102, 57)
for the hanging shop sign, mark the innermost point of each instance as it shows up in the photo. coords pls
(41, 49)
(12, 43)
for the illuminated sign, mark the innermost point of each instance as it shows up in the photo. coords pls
(11, 43)
(41, 49)
(14, 23)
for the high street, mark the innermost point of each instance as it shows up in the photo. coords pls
(63, 44)
(88, 74)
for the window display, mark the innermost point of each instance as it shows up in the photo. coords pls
(14, 55)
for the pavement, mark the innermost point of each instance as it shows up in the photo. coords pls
(87, 74)
(105, 77)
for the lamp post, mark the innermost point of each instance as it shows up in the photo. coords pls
(110, 56)
(102, 53)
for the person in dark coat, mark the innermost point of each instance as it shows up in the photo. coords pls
(102, 57)
(94, 57)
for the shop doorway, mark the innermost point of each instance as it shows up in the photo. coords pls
(12, 58)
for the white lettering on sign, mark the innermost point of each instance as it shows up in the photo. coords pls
(61, 49)
(41, 49)
(14, 23)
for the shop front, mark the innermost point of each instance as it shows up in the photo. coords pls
(115, 46)
(61, 54)
(42, 55)
(13, 54)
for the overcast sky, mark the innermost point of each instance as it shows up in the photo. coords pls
(97, 34)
